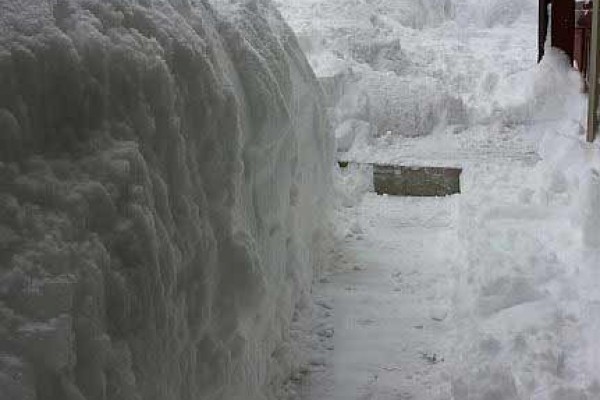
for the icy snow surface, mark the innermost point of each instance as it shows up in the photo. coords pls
(164, 168)
(488, 295)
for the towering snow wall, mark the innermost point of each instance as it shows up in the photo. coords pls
(162, 186)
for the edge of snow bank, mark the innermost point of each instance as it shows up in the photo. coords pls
(164, 195)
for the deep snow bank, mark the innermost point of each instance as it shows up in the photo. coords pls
(363, 49)
(527, 294)
(405, 69)
(162, 189)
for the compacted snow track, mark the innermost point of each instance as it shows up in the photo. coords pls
(392, 311)
(384, 324)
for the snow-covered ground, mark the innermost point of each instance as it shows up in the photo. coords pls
(390, 300)
(499, 281)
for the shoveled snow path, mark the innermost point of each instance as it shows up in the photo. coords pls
(391, 298)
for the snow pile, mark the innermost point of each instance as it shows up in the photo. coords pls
(516, 330)
(549, 93)
(412, 68)
(490, 13)
(163, 179)
(345, 13)
(362, 47)
(526, 298)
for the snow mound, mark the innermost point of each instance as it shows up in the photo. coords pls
(548, 92)
(526, 295)
(411, 106)
(490, 13)
(415, 64)
(335, 31)
(163, 189)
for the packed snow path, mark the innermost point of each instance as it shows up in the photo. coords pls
(391, 311)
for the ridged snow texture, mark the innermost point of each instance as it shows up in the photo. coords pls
(163, 176)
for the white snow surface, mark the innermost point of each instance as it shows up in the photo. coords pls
(487, 295)
(164, 174)
(441, 75)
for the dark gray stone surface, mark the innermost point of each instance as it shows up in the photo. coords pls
(416, 181)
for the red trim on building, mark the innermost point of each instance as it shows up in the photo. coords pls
(563, 25)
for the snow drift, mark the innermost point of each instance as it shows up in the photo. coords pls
(490, 13)
(526, 298)
(367, 48)
(162, 191)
